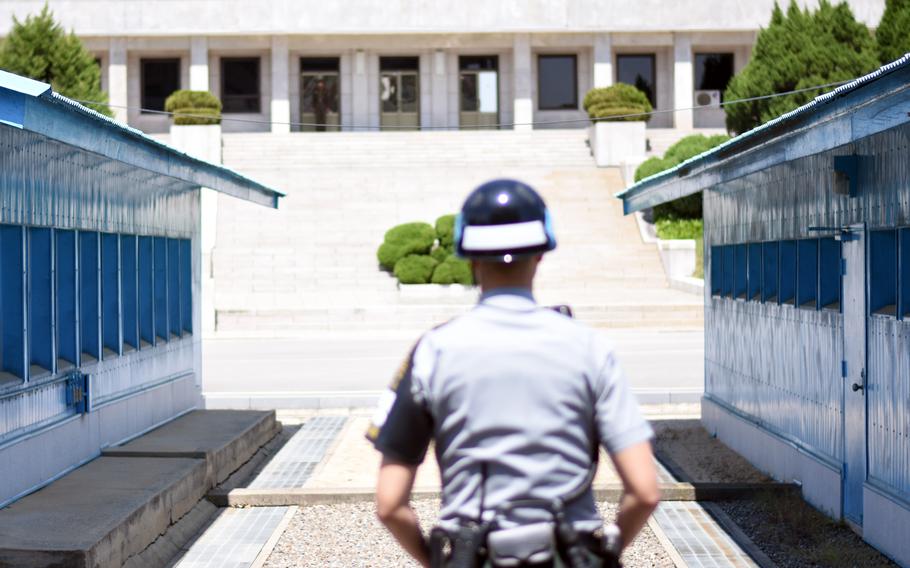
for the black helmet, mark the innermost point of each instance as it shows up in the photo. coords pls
(501, 220)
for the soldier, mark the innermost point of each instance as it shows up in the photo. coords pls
(517, 399)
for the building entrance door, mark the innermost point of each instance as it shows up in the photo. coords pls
(319, 89)
(479, 91)
(854, 367)
(399, 92)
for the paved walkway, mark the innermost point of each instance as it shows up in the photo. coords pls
(329, 454)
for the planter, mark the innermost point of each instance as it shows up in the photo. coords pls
(678, 257)
(201, 141)
(615, 142)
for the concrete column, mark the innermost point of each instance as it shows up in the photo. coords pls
(281, 91)
(199, 63)
(440, 91)
(521, 76)
(117, 78)
(683, 81)
(603, 60)
(360, 107)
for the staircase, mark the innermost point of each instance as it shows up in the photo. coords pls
(310, 266)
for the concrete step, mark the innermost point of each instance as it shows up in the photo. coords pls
(112, 508)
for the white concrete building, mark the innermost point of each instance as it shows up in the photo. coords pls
(402, 63)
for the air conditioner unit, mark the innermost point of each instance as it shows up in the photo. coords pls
(707, 98)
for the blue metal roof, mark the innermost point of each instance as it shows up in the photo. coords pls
(849, 112)
(33, 106)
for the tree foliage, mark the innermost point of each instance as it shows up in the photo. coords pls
(893, 33)
(799, 49)
(39, 48)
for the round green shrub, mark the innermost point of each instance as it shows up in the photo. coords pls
(453, 270)
(649, 167)
(445, 230)
(441, 253)
(415, 269)
(617, 101)
(194, 107)
(403, 240)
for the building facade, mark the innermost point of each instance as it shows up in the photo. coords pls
(807, 298)
(287, 66)
(100, 276)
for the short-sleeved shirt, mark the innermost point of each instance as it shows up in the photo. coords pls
(516, 398)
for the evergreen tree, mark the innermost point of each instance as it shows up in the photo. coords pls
(893, 33)
(39, 48)
(799, 49)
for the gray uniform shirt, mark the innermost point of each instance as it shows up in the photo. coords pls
(517, 398)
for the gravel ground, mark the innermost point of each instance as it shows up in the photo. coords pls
(701, 456)
(348, 535)
(793, 534)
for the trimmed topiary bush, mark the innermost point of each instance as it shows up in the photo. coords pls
(453, 270)
(403, 240)
(617, 101)
(203, 106)
(445, 231)
(651, 166)
(415, 269)
(441, 253)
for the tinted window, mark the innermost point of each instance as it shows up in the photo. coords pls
(713, 71)
(638, 70)
(399, 64)
(478, 63)
(240, 85)
(160, 78)
(556, 82)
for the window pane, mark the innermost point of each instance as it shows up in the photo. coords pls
(478, 63)
(317, 64)
(173, 285)
(807, 266)
(755, 274)
(388, 92)
(320, 95)
(713, 71)
(770, 273)
(883, 272)
(40, 299)
(160, 278)
(110, 294)
(469, 100)
(399, 64)
(717, 264)
(638, 70)
(787, 272)
(12, 308)
(829, 276)
(409, 93)
(160, 78)
(186, 285)
(556, 82)
(89, 292)
(128, 290)
(728, 271)
(146, 291)
(67, 348)
(240, 85)
(740, 265)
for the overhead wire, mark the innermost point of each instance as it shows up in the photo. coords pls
(496, 126)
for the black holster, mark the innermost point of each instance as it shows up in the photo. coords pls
(462, 548)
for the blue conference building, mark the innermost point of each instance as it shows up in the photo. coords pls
(99, 282)
(807, 298)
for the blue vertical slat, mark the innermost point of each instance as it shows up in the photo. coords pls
(829, 273)
(787, 266)
(728, 271)
(883, 272)
(110, 292)
(740, 267)
(755, 271)
(770, 273)
(807, 270)
(717, 270)
(173, 286)
(186, 285)
(160, 279)
(67, 317)
(146, 290)
(129, 297)
(904, 276)
(89, 294)
(12, 301)
(40, 298)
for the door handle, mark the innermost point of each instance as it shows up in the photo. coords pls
(857, 387)
(860, 386)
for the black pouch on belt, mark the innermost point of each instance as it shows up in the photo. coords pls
(460, 548)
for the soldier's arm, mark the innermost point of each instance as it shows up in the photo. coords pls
(393, 494)
(636, 469)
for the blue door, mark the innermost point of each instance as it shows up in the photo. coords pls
(854, 309)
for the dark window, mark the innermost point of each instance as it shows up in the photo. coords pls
(638, 70)
(740, 266)
(173, 286)
(40, 299)
(905, 273)
(12, 308)
(478, 63)
(159, 78)
(755, 282)
(557, 87)
(160, 279)
(317, 64)
(146, 290)
(883, 272)
(728, 271)
(807, 266)
(770, 272)
(829, 275)
(67, 347)
(713, 71)
(129, 293)
(787, 288)
(110, 294)
(186, 285)
(89, 295)
(240, 84)
(717, 270)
